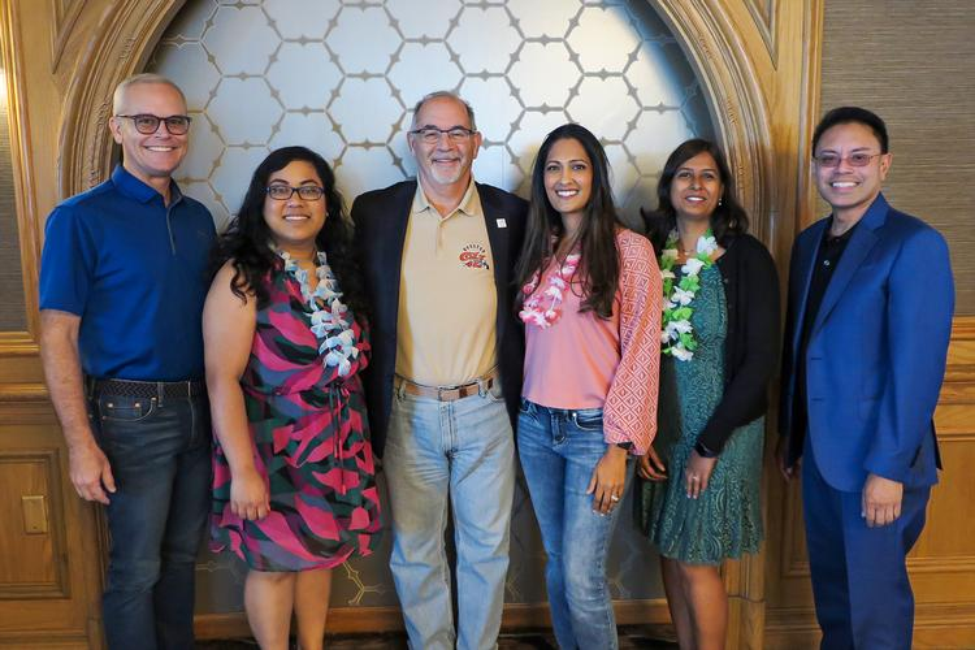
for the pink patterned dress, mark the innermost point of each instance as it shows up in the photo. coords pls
(311, 444)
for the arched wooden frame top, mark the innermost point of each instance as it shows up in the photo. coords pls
(131, 32)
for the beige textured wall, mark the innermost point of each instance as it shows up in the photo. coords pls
(911, 62)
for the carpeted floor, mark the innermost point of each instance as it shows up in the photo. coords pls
(631, 637)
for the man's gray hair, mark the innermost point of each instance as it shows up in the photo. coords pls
(118, 98)
(448, 94)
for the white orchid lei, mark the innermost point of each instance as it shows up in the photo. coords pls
(330, 321)
(677, 335)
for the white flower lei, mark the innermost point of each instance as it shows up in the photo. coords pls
(677, 334)
(533, 312)
(329, 316)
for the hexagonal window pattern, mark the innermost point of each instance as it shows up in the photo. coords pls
(173, 58)
(544, 74)
(244, 111)
(204, 150)
(240, 40)
(312, 130)
(304, 75)
(296, 19)
(541, 18)
(228, 182)
(484, 39)
(495, 107)
(653, 88)
(341, 77)
(365, 110)
(190, 23)
(667, 128)
(429, 19)
(598, 27)
(605, 106)
(437, 63)
(364, 40)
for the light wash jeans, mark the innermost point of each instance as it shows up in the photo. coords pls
(465, 450)
(559, 450)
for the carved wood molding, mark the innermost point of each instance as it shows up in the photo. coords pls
(730, 82)
(766, 14)
(13, 53)
(127, 36)
(66, 14)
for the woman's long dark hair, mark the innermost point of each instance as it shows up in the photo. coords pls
(728, 220)
(600, 264)
(247, 240)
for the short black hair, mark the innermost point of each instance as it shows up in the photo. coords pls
(848, 114)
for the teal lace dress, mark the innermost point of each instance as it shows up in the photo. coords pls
(726, 520)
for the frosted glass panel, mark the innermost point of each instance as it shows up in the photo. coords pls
(342, 78)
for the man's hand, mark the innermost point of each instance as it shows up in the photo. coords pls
(881, 501)
(90, 472)
(788, 471)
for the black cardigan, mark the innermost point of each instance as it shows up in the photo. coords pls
(751, 285)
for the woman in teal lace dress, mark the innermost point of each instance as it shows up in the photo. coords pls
(699, 503)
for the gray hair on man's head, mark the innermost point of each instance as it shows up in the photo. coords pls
(448, 94)
(118, 98)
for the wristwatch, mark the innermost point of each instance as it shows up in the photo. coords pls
(703, 451)
(628, 446)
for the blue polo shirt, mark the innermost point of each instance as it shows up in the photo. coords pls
(135, 271)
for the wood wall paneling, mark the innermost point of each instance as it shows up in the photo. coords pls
(759, 61)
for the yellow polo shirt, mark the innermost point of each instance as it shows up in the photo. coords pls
(447, 298)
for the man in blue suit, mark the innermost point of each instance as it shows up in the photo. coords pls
(871, 298)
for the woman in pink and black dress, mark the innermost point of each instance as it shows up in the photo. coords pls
(294, 493)
(591, 306)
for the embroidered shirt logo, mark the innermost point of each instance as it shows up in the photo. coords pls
(474, 256)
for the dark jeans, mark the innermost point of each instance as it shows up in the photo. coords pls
(159, 450)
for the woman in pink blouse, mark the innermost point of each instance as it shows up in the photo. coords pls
(590, 301)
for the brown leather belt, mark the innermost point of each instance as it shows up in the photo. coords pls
(445, 393)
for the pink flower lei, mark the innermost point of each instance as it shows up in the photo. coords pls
(533, 312)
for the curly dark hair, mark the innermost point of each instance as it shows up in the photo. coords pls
(246, 241)
(597, 234)
(729, 218)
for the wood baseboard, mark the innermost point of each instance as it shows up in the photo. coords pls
(362, 620)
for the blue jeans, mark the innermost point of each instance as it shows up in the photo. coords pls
(464, 449)
(159, 451)
(559, 450)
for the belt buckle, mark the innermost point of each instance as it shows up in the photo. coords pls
(440, 393)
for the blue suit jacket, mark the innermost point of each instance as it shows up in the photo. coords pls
(876, 355)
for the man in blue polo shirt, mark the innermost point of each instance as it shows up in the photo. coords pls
(123, 280)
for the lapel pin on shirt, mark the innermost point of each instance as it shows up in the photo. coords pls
(501, 223)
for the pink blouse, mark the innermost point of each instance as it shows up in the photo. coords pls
(583, 361)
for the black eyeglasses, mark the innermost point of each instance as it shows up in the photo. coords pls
(431, 134)
(147, 124)
(283, 192)
(855, 159)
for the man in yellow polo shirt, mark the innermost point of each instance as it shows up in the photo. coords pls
(443, 385)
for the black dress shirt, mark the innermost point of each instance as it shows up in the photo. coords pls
(827, 259)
